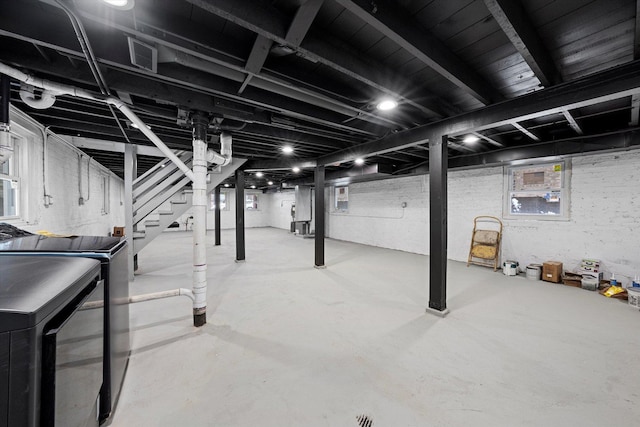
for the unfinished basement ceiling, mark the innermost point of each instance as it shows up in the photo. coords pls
(309, 74)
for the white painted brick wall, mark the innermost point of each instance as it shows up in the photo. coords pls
(64, 215)
(279, 214)
(604, 221)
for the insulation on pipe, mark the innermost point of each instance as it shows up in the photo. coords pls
(199, 210)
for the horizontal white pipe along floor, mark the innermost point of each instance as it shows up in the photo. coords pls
(290, 345)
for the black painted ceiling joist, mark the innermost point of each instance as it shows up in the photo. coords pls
(401, 27)
(611, 84)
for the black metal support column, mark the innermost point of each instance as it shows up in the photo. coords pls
(319, 217)
(438, 157)
(216, 196)
(240, 256)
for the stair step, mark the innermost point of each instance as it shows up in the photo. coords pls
(165, 212)
(178, 202)
(152, 223)
(138, 235)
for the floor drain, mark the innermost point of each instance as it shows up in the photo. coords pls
(364, 421)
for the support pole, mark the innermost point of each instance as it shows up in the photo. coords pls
(319, 217)
(216, 196)
(438, 158)
(200, 125)
(130, 174)
(240, 256)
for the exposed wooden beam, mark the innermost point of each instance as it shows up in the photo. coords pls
(399, 26)
(257, 57)
(261, 18)
(297, 30)
(301, 23)
(515, 23)
(525, 131)
(615, 83)
(111, 146)
(487, 139)
(635, 110)
(572, 122)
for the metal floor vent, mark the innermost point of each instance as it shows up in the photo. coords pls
(364, 420)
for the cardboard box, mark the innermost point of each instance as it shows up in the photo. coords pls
(552, 271)
(118, 231)
(572, 279)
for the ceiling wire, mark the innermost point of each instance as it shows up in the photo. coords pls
(83, 39)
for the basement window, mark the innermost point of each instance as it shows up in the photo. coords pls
(537, 191)
(223, 202)
(251, 202)
(341, 198)
(10, 182)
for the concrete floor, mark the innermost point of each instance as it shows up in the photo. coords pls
(290, 345)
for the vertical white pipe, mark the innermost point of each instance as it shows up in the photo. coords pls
(199, 221)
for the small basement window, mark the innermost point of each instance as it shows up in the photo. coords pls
(251, 202)
(10, 180)
(223, 201)
(537, 191)
(341, 198)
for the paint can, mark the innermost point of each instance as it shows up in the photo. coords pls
(510, 268)
(534, 271)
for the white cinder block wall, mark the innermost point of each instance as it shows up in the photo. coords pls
(252, 218)
(604, 220)
(65, 215)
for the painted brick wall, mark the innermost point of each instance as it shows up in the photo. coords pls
(604, 221)
(65, 215)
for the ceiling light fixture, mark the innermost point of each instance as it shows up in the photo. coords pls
(287, 149)
(470, 139)
(226, 185)
(259, 174)
(253, 186)
(270, 183)
(359, 161)
(120, 4)
(296, 169)
(386, 105)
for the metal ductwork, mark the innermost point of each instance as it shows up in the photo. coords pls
(45, 100)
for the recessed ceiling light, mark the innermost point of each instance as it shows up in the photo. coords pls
(287, 149)
(470, 139)
(387, 104)
(253, 186)
(226, 185)
(270, 183)
(359, 161)
(120, 4)
(259, 174)
(296, 169)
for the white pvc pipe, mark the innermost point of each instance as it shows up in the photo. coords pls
(199, 228)
(46, 100)
(141, 298)
(224, 158)
(62, 89)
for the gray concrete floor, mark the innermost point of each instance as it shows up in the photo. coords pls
(290, 345)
